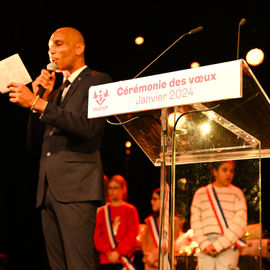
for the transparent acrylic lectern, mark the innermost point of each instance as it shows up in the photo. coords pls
(235, 129)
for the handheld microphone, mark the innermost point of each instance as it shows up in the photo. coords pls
(51, 67)
(242, 22)
(193, 31)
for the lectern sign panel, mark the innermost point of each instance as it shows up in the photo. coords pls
(204, 84)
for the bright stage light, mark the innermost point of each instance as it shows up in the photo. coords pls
(195, 65)
(172, 119)
(255, 57)
(205, 128)
(128, 144)
(139, 40)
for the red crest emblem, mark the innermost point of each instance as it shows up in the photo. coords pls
(100, 97)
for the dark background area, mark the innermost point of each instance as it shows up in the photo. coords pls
(109, 29)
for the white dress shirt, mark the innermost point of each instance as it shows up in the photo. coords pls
(71, 79)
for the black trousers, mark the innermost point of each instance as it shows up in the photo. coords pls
(68, 230)
(111, 266)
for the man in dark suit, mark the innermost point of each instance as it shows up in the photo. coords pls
(71, 184)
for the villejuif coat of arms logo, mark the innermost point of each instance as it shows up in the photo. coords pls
(100, 96)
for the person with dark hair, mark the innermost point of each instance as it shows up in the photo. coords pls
(150, 235)
(71, 184)
(219, 219)
(117, 227)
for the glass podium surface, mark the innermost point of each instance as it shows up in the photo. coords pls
(237, 126)
(189, 178)
(236, 129)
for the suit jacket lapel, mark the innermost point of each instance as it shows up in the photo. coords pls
(54, 96)
(74, 86)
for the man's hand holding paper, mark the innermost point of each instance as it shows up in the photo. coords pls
(14, 76)
(12, 69)
(20, 95)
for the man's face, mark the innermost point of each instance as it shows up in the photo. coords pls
(62, 51)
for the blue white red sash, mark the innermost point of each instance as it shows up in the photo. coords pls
(219, 214)
(154, 230)
(127, 264)
(153, 227)
(166, 262)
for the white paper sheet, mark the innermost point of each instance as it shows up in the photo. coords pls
(12, 69)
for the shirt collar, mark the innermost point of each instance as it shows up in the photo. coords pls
(76, 73)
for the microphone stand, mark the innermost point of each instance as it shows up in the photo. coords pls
(193, 31)
(163, 164)
(172, 201)
(242, 22)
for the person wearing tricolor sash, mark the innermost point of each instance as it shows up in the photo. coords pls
(150, 236)
(117, 227)
(219, 219)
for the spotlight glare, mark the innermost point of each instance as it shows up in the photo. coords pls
(139, 40)
(171, 120)
(195, 65)
(205, 128)
(255, 57)
(211, 115)
(128, 144)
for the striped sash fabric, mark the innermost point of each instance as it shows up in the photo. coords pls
(166, 263)
(153, 227)
(125, 261)
(219, 214)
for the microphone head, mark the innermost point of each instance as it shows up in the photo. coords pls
(242, 22)
(196, 30)
(52, 67)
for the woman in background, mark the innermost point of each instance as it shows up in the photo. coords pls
(116, 228)
(150, 237)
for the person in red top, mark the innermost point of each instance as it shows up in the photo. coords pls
(117, 227)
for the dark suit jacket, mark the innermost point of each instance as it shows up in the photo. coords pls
(70, 153)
